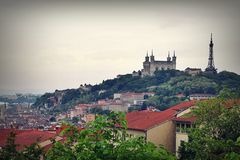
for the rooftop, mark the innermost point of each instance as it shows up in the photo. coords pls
(25, 137)
(144, 120)
(193, 69)
(185, 119)
(201, 94)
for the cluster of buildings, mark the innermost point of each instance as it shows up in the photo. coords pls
(22, 116)
(120, 103)
(165, 128)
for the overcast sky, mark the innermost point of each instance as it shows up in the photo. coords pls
(58, 45)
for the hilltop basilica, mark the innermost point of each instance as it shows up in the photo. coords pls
(151, 65)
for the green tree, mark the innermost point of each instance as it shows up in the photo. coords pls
(9, 151)
(52, 119)
(227, 93)
(75, 119)
(32, 152)
(216, 132)
(105, 139)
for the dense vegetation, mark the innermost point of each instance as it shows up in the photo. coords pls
(103, 140)
(166, 84)
(216, 134)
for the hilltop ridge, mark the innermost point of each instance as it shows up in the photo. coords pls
(166, 84)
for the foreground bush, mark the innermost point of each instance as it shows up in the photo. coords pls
(105, 139)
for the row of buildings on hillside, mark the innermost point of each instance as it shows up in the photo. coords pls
(24, 117)
(150, 65)
(120, 103)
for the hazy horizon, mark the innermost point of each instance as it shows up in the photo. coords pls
(52, 45)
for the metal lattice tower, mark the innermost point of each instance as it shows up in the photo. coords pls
(211, 68)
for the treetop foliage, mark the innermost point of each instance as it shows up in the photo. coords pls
(106, 139)
(216, 134)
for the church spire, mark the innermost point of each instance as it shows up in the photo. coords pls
(152, 57)
(174, 57)
(147, 58)
(168, 58)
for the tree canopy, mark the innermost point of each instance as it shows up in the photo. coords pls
(216, 135)
(105, 139)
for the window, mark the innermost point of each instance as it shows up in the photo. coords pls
(178, 127)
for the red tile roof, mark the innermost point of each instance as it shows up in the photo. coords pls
(25, 137)
(228, 104)
(143, 120)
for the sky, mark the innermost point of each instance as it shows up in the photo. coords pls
(48, 45)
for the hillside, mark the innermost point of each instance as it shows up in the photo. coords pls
(166, 85)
